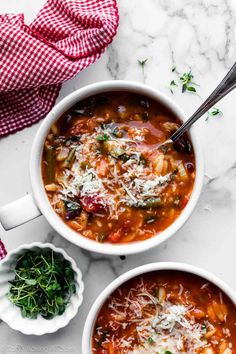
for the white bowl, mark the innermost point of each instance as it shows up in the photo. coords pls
(11, 314)
(30, 206)
(92, 316)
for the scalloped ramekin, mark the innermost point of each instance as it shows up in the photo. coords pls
(11, 314)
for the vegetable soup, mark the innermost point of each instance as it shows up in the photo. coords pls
(166, 312)
(106, 174)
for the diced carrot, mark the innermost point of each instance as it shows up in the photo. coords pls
(102, 168)
(198, 313)
(110, 349)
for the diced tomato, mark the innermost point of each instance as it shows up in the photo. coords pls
(115, 236)
(79, 128)
(93, 204)
(102, 168)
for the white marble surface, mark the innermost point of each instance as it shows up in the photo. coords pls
(190, 34)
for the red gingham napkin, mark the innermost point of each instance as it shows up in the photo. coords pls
(3, 251)
(65, 37)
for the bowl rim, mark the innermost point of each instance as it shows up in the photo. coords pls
(157, 266)
(40, 195)
(79, 288)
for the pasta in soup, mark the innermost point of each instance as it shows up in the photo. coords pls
(106, 174)
(166, 312)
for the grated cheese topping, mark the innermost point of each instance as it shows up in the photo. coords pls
(130, 184)
(159, 326)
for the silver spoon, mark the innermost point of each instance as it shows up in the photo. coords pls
(225, 86)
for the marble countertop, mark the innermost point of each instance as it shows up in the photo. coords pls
(189, 34)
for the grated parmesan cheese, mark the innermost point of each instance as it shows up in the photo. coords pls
(130, 184)
(168, 325)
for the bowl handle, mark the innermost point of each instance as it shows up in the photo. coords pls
(18, 212)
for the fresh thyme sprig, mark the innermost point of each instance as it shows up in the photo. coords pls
(185, 80)
(172, 83)
(187, 83)
(214, 112)
(142, 64)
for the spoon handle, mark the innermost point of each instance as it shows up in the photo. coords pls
(226, 85)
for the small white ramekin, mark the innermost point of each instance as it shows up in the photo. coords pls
(92, 316)
(31, 206)
(11, 314)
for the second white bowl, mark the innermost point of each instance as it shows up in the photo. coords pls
(92, 316)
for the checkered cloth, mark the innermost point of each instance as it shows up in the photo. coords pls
(65, 37)
(3, 251)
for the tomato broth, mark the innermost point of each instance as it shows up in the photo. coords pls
(166, 312)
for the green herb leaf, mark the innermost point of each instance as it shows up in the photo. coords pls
(184, 88)
(173, 68)
(191, 88)
(204, 328)
(173, 83)
(187, 77)
(103, 137)
(142, 62)
(150, 340)
(215, 112)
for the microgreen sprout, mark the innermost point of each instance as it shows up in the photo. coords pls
(43, 284)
